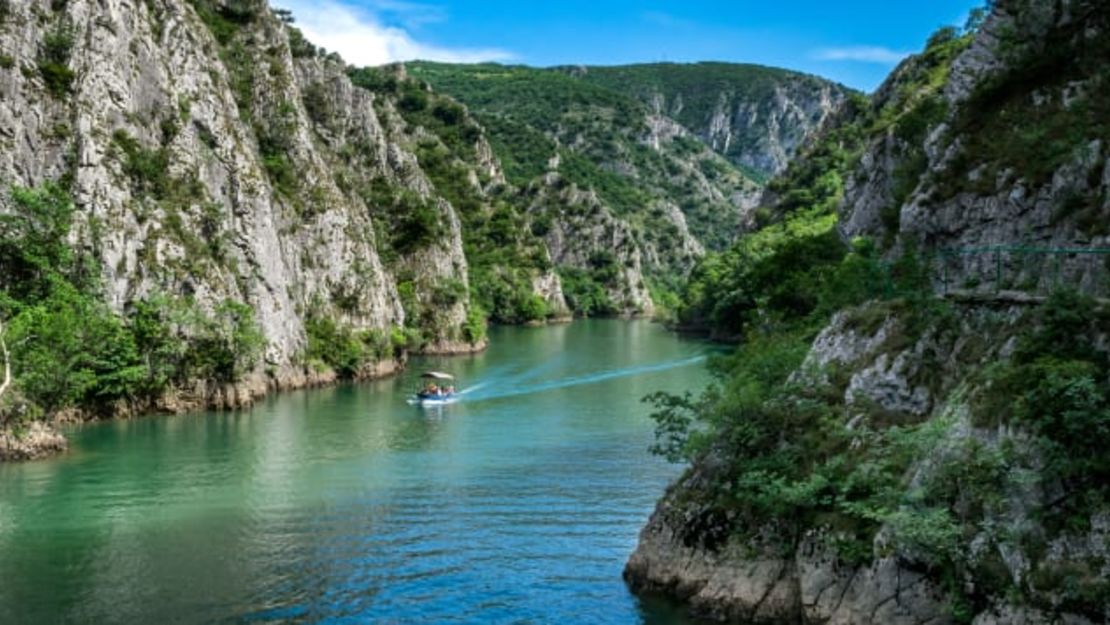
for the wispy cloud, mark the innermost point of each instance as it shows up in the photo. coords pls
(364, 36)
(408, 14)
(862, 54)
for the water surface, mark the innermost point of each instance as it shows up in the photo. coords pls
(347, 505)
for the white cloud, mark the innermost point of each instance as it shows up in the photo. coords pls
(361, 38)
(862, 54)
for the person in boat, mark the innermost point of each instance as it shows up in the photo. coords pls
(432, 390)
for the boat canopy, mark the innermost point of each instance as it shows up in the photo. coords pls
(437, 375)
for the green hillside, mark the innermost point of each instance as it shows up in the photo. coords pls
(603, 141)
(693, 94)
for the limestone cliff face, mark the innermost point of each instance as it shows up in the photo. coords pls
(757, 117)
(1018, 156)
(686, 551)
(674, 194)
(218, 166)
(765, 135)
(584, 234)
(1002, 145)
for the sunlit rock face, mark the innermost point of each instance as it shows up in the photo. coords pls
(993, 150)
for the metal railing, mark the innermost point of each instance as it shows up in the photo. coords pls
(1004, 270)
(1031, 270)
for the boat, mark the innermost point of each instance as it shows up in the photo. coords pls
(439, 396)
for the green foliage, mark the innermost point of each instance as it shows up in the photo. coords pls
(33, 243)
(699, 87)
(1056, 385)
(1021, 119)
(796, 265)
(502, 250)
(789, 462)
(532, 116)
(148, 169)
(474, 328)
(155, 324)
(778, 273)
(226, 19)
(53, 60)
(227, 345)
(524, 152)
(348, 351)
(413, 100)
(586, 293)
(69, 350)
(275, 131)
(299, 46)
(777, 455)
(417, 222)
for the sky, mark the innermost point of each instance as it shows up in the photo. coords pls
(855, 42)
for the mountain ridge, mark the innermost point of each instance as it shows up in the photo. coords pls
(240, 210)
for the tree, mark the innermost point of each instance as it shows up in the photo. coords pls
(7, 363)
(975, 19)
(285, 15)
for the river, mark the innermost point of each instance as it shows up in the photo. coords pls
(519, 504)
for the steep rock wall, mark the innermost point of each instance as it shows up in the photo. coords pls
(249, 206)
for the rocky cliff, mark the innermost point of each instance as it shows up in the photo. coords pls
(208, 160)
(991, 474)
(1009, 150)
(675, 195)
(927, 459)
(757, 117)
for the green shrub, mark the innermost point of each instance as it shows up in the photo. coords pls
(53, 60)
(474, 328)
(148, 169)
(225, 346)
(1021, 118)
(413, 100)
(156, 324)
(34, 250)
(282, 173)
(226, 19)
(299, 46)
(69, 350)
(531, 307)
(585, 294)
(349, 352)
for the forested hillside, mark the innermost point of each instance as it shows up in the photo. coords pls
(755, 116)
(676, 194)
(199, 205)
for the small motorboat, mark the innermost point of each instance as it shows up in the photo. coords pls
(437, 390)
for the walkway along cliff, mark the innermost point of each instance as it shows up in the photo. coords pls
(931, 453)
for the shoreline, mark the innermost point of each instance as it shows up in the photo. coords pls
(40, 439)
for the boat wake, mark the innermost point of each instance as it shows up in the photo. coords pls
(500, 391)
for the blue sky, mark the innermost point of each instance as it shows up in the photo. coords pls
(854, 42)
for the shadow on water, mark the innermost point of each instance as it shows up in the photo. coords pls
(500, 389)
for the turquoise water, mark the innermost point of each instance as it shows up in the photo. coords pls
(347, 505)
